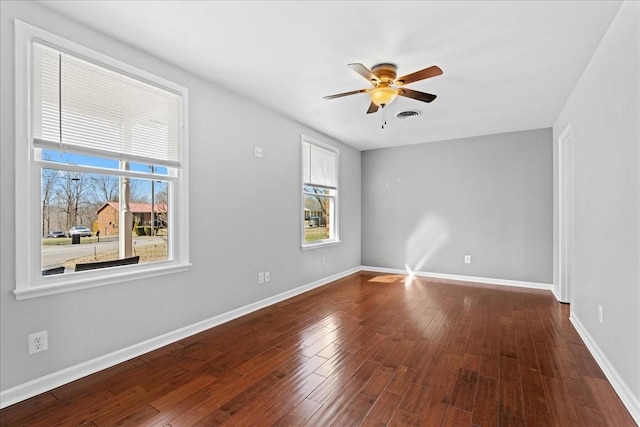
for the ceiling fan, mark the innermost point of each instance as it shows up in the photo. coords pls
(386, 86)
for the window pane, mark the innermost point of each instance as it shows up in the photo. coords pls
(79, 159)
(88, 205)
(139, 167)
(318, 214)
(99, 162)
(319, 190)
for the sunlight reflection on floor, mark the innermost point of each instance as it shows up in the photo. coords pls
(387, 279)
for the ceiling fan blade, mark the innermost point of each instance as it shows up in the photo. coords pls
(353, 92)
(419, 75)
(372, 108)
(420, 96)
(364, 72)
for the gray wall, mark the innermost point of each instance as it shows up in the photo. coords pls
(426, 206)
(604, 112)
(244, 218)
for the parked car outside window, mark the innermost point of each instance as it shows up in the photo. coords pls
(55, 234)
(80, 230)
(317, 221)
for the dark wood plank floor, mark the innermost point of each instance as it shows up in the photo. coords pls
(370, 350)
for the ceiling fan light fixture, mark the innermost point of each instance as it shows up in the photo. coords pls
(382, 95)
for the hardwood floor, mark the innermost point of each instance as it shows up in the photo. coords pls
(370, 350)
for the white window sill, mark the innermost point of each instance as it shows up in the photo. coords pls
(321, 244)
(91, 279)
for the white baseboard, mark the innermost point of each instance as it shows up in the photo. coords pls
(56, 379)
(489, 281)
(630, 401)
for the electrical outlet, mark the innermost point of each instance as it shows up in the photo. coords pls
(600, 314)
(323, 262)
(260, 278)
(257, 152)
(467, 259)
(267, 276)
(38, 342)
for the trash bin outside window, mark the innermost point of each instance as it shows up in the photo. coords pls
(75, 239)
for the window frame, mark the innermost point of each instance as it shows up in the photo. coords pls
(29, 280)
(335, 239)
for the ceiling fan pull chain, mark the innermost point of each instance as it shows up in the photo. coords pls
(384, 116)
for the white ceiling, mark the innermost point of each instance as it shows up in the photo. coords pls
(508, 65)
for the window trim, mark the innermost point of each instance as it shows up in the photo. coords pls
(336, 234)
(28, 283)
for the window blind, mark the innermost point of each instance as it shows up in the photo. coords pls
(87, 108)
(319, 166)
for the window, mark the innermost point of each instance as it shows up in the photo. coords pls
(101, 150)
(319, 193)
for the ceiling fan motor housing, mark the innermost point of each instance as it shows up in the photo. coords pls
(386, 72)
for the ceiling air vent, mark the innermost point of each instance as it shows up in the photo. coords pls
(408, 114)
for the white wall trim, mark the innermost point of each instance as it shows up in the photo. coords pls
(630, 401)
(490, 281)
(565, 215)
(56, 379)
